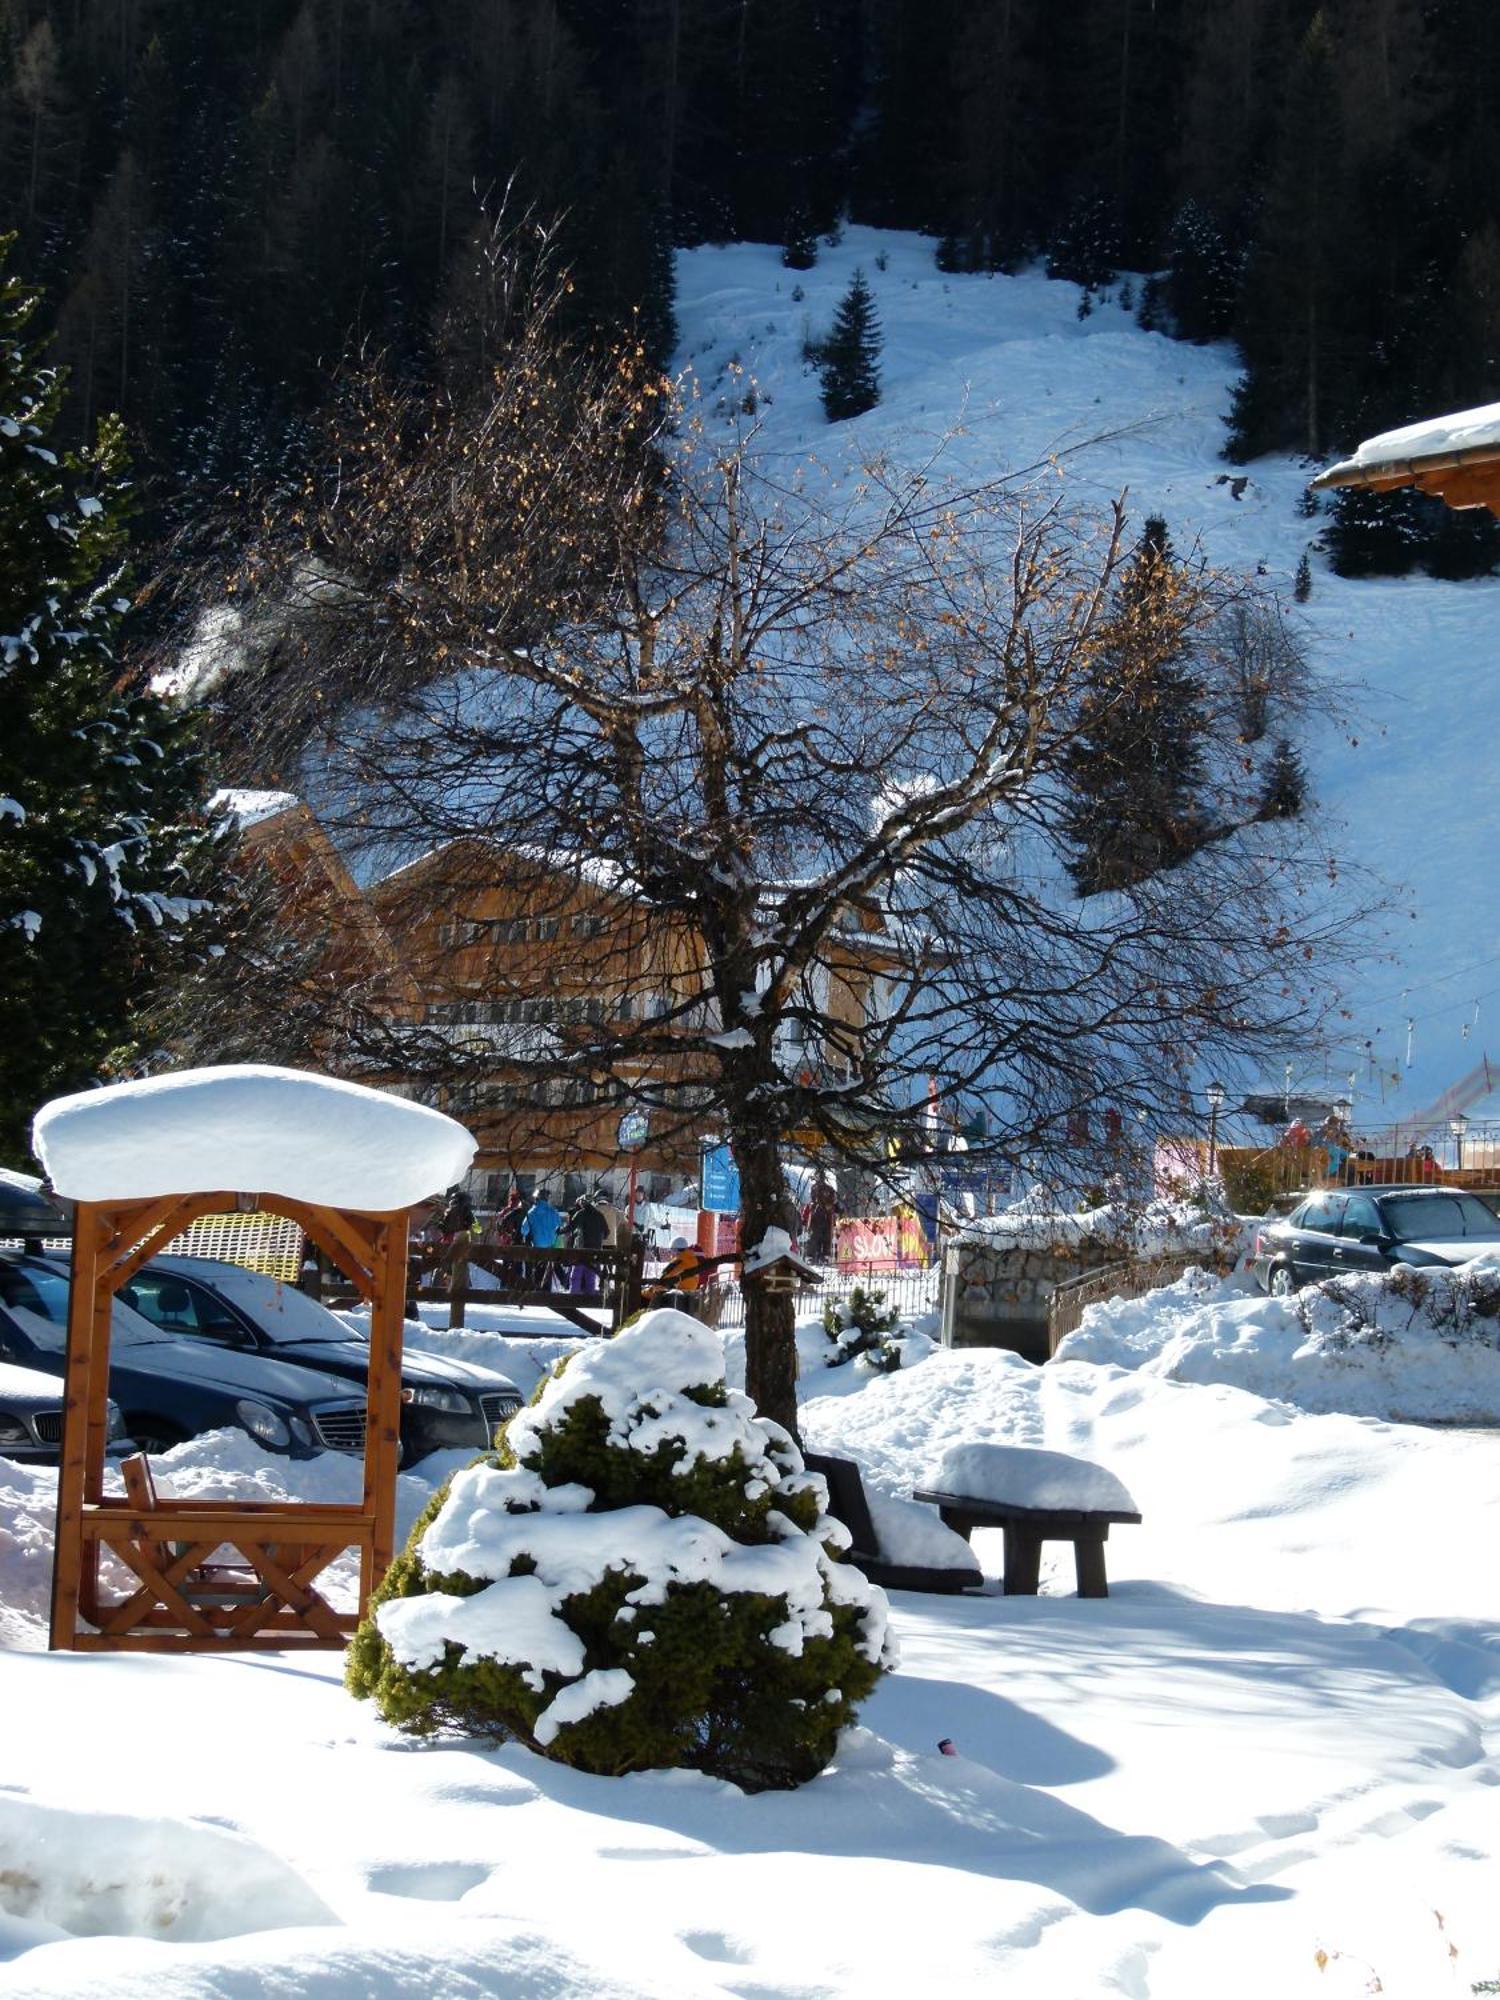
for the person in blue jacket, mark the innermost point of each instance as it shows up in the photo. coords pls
(540, 1227)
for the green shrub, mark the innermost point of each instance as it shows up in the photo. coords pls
(644, 1575)
(864, 1325)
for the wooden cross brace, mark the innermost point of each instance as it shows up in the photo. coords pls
(235, 1601)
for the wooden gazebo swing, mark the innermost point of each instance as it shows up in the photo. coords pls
(187, 1597)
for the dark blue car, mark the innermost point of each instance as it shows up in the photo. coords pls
(168, 1388)
(446, 1404)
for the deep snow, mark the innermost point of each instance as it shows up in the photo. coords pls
(1102, 407)
(1274, 1739)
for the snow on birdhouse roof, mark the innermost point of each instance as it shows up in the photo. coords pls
(250, 1126)
(1464, 437)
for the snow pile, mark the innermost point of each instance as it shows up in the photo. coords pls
(112, 1874)
(1023, 1476)
(914, 1536)
(282, 1131)
(1421, 1346)
(28, 1512)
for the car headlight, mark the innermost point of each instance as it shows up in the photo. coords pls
(431, 1397)
(262, 1423)
(12, 1430)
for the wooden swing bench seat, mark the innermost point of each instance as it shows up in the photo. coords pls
(267, 1599)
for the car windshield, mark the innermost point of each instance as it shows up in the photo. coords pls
(282, 1313)
(1415, 1218)
(42, 1291)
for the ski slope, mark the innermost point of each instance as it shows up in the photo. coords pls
(1003, 374)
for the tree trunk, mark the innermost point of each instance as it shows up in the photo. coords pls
(770, 1317)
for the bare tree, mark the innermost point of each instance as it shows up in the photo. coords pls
(805, 744)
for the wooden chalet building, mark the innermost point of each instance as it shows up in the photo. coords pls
(497, 965)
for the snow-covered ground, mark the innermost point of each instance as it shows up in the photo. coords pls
(1426, 1348)
(1399, 772)
(1264, 1764)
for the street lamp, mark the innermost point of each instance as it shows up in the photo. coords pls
(1215, 1096)
(1458, 1124)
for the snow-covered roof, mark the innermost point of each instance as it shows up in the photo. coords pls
(1465, 436)
(250, 1126)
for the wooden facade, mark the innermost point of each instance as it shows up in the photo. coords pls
(496, 947)
(185, 1598)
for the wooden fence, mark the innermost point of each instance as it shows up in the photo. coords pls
(523, 1277)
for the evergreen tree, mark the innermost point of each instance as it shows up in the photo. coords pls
(99, 788)
(1136, 769)
(799, 242)
(1464, 542)
(1302, 587)
(1086, 247)
(1374, 534)
(1284, 792)
(1203, 275)
(850, 376)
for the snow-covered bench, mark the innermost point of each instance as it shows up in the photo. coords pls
(893, 1542)
(1034, 1496)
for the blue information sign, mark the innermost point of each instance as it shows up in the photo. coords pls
(721, 1181)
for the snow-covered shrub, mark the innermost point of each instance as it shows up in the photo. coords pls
(864, 1325)
(1372, 1310)
(644, 1575)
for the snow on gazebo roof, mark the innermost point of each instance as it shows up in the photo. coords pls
(1456, 457)
(250, 1126)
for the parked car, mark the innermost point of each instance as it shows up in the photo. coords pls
(445, 1405)
(31, 1417)
(171, 1388)
(1336, 1232)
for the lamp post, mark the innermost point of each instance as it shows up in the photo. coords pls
(1458, 1124)
(1215, 1096)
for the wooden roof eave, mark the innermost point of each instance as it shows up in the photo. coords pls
(1469, 477)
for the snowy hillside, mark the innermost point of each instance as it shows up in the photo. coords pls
(1402, 775)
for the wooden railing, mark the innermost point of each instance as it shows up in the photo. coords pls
(438, 1274)
(1129, 1279)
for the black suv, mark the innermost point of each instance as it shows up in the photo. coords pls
(1337, 1232)
(445, 1404)
(170, 1389)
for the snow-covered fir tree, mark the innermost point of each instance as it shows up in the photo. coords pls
(102, 843)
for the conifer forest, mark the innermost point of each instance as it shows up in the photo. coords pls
(222, 202)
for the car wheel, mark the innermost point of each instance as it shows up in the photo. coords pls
(1283, 1281)
(154, 1435)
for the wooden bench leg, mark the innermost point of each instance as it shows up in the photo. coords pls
(1023, 1561)
(1088, 1560)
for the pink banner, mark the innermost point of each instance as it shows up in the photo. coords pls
(869, 1242)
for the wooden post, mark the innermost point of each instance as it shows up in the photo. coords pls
(72, 1477)
(383, 1407)
(1088, 1562)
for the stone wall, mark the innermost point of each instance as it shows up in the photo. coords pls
(996, 1296)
